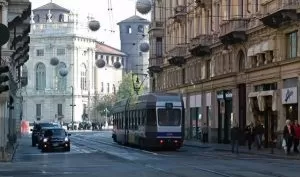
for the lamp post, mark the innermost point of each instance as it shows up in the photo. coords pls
(72, 105)
(137, 84)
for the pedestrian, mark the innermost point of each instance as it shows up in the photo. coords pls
(259, 132)
(288, 134)
(297, 136)
(249, 132)
(235, 137)
(205, 133)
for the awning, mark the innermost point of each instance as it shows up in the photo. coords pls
(267, 45)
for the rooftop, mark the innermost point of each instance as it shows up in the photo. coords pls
(106, 49)
(52, 6)
(135, 19)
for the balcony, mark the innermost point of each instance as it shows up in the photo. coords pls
(156, 29)
(200, 45)
(204, 3)
(155, 65)
(233, 31)
(180, 12)
(177, 55)
(279, 12)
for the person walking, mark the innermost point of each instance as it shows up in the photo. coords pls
(288, 135)
(235, 137)
(249, 132)
(297, 136)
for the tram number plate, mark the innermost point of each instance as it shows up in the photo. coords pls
(169, 134)
(55, 144)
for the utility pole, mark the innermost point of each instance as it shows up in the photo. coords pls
(72, 105)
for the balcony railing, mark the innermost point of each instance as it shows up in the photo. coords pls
(180, 12)
(271, 7)
(204, 3)
(233, 25)
(52, 92)
(202, 39)
(180, 50)
(155, 25)
(156, 61)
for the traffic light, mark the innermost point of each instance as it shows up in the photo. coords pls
(3, 78)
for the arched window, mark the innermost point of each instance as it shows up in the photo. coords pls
(241, 58)
(141, 29)
(40, 76)
(24, 72)
(37, 18)
(61, 18)
(83, 74)
(61, 82)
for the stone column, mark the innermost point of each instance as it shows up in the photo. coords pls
(187, 117)
(4, 12)
(214, 117)
(235, 105)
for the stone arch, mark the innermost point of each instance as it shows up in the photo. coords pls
(61, 18)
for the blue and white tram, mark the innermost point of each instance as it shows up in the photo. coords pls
(153, 120)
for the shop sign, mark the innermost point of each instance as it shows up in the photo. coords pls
(289, 95)
(220, 95)
(228, 94)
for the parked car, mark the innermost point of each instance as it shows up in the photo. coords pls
(56, 138)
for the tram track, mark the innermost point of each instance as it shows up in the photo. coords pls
(93, 142)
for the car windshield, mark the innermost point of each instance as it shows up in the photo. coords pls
(169, 117)
(55, 132)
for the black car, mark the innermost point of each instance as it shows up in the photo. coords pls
(56, 138)
(37, 130)
(40, 136)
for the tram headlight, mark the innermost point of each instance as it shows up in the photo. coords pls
(66, 139)
(45, 140)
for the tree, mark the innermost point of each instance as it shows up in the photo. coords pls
(126, 88)
(104, 102)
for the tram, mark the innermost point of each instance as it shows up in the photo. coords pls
(153, 120)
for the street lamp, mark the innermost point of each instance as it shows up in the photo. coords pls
(138, 82)
(72, 105)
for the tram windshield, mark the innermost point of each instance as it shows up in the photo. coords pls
(169, 117)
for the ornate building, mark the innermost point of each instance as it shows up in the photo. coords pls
(62, 73)
(235, 61)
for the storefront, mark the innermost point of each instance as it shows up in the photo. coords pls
(225, 115)
(289, 98)
(195, 116)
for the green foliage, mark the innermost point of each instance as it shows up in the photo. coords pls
(126, 88)
(105, 102)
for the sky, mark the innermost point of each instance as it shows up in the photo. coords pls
(121, 9)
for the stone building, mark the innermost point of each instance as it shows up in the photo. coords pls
(14, 15)
(235, 61)
(62, 68)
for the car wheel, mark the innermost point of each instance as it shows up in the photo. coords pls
(67, 149)
(33, 143)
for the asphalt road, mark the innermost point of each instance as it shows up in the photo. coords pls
(94, 154)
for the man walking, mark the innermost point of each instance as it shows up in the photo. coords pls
(235, 137)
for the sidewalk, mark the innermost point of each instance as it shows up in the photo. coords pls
(278, 153)
(8, 153)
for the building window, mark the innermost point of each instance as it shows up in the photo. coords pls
(61, 18)
(107, 59)
(102, 87)
(292, 45)
(40, 76)
(37, 18)
(208, 63)
(59, 110)
(38, 111)
(140, 54)
(61, 82)
(112, 59)
(114, 89)
(159, 47)
(24, 72)
(256, 5)
(40, 52)
(128, 29)
(83, 75)
(141, 29)
(108, 90)
(241, 8)
(60, 52)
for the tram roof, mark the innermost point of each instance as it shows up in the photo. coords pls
(148, 99)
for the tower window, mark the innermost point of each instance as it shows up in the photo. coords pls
(140, 29)
(129, 29)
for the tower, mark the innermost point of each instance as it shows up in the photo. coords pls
(134, 32)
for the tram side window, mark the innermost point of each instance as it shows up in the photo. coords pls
(122, 120)
(143, 112)
(151, 117)
(135, 120)
(139, 117)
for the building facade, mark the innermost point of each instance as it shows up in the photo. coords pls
(62, 73)
(14, 16)
(235, 61)
(135, 43)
